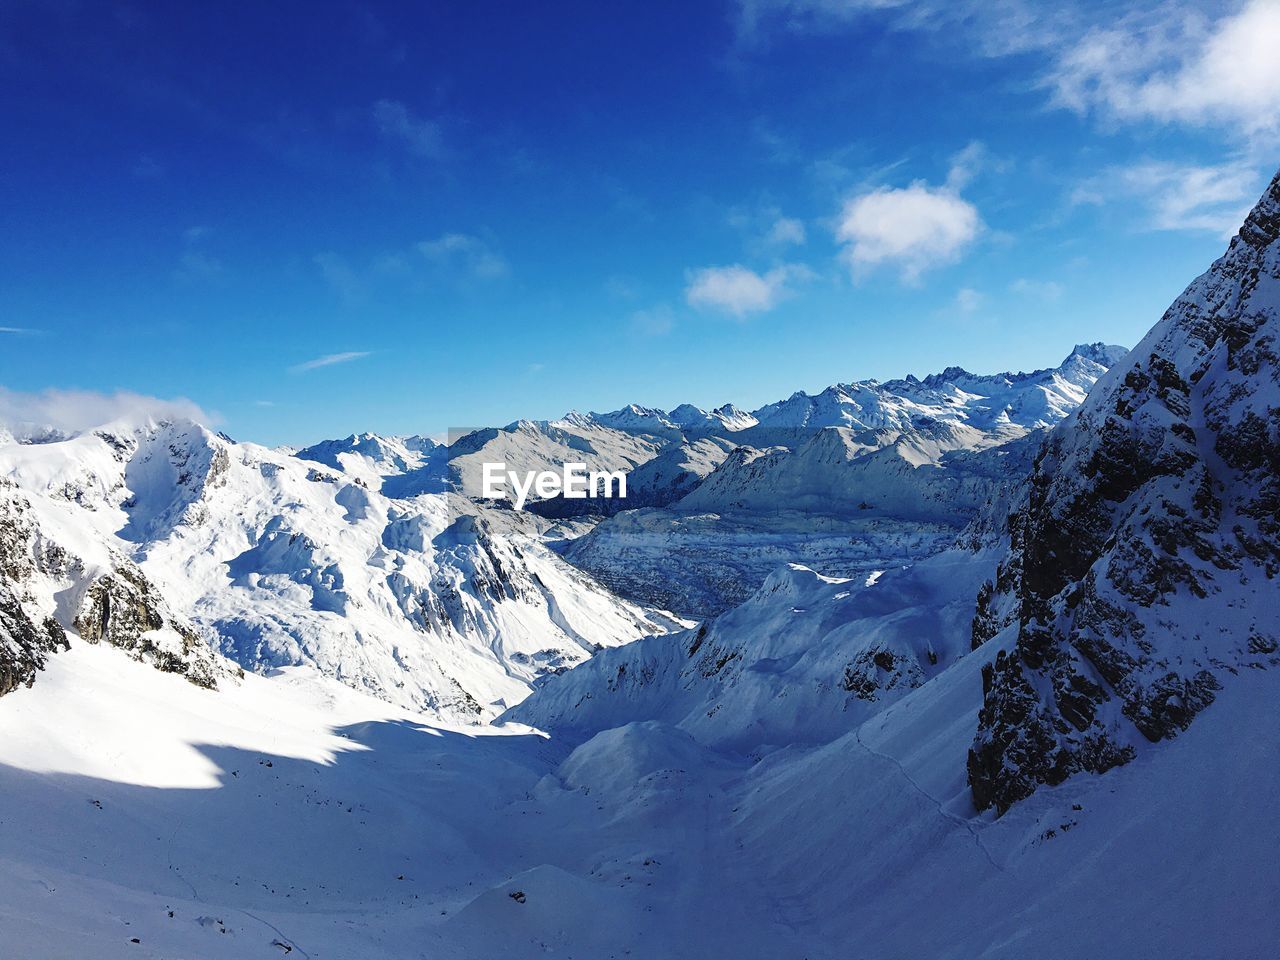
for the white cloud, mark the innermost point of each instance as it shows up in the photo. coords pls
(67, 412)
(1179, 196)
(18, 331)
(1179, 68)
(766, 230)
(967, 164)
(738, 290)
(913, 228)
(328, 361)
(396, 121)
(148, 168)
(476, 256)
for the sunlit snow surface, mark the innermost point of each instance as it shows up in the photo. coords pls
(292, 812)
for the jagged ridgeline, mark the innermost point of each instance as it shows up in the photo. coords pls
(1142, 568)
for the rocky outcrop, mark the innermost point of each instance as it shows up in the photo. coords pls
(40, 580)
(1143, 557)
(24, 643)
(27, 636)
(124, 609)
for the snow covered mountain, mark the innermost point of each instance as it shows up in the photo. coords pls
(372, 457)
(861, 477)
(1005, 404)
(433, 603)
(370, 558)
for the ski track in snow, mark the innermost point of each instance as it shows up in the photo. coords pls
(959, 821)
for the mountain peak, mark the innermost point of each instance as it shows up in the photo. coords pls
(1106, 354)
(1262, 227)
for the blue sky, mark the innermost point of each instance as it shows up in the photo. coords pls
(314, 219)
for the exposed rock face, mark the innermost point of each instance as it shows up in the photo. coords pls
(124, 609)
(40, 580)
(26, 636)
(1144, 554)
(23, 643)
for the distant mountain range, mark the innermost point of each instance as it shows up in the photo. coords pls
(366, 557)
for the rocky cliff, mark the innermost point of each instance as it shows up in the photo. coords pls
(1141, 571)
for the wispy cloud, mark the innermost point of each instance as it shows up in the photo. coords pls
(785, 231)
(19, 331)
(756, 16)
(1178, 65)
(471, 253)
(196, 265)
(1166, 61)
(329, 360)
(419, 136)
(768, 231)
(739, 291)
(1178, 196)
(147, 168)
(969, 300)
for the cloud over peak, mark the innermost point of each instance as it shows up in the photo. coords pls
(70, 412)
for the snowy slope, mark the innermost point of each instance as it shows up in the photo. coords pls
(1137, 581)
(293, 816)
(800, 662)
(372, 457)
